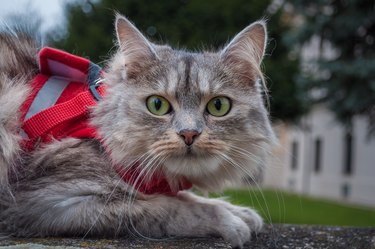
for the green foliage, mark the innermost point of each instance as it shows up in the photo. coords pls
(189, 24)
(282, 207)
(348, 80)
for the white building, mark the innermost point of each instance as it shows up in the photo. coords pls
(320, 158)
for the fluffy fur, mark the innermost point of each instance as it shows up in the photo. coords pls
(70, 188)
(19, 64)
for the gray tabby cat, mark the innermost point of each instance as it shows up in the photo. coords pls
(193, 116)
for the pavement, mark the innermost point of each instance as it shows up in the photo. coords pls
(273, 236)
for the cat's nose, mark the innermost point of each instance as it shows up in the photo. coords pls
(188, 136)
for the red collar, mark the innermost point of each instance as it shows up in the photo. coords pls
(158, 184)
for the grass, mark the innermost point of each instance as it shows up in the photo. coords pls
(281, 207)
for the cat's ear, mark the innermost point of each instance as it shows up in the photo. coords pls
(247, 46)
(134, 46)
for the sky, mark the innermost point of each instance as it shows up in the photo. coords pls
(51, 11)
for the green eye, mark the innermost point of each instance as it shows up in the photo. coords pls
(158, 105)
(218, 106)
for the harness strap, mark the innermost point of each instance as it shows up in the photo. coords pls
(49, 118)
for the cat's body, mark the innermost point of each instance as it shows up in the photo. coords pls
(70, 186)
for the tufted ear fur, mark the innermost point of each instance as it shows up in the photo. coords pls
(247, 46)
(136, 49)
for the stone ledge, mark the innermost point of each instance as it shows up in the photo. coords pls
(273, 236)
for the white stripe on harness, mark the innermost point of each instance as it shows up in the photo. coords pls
(47, 95)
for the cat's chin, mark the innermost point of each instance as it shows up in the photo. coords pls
(192, 166)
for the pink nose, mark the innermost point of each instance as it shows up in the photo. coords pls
(188, 136)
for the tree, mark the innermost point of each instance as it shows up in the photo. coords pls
(346, 80)
(189, 24)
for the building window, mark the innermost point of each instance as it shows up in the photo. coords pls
(318, 155)
(348, 153)
(345, 190)
(294, 154)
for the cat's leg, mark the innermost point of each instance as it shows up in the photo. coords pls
(71, 190)
(152, 217)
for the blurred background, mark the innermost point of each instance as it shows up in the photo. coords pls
(320, 68)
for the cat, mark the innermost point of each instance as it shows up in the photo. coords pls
(190, 117)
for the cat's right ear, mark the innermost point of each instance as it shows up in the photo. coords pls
(134, 46)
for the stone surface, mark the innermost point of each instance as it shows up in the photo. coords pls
(273, 236)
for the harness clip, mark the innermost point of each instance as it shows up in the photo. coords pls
(93, 90)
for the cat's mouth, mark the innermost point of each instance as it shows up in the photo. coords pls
(192, 152)
(188, 154)
(189, 151)
(192, 164)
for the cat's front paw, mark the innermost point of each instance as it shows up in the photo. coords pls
(234, 223)
(253, 220)
(232, 228)
(249, 216)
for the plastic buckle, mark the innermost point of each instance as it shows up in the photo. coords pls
(94, 91)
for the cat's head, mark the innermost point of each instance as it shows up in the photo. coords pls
(198, 116)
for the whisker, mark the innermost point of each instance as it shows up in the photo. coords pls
(108, 199)
(235, 164)
(150, 168)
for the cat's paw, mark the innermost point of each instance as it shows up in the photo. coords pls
(253, 220)
(236, 223)
(249, 216)
(232, 228)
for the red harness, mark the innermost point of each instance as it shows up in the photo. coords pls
(59, 107)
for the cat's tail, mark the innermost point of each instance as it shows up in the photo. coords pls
(18, 65)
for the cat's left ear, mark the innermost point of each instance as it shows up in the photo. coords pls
(247, 46)
(137, 50)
